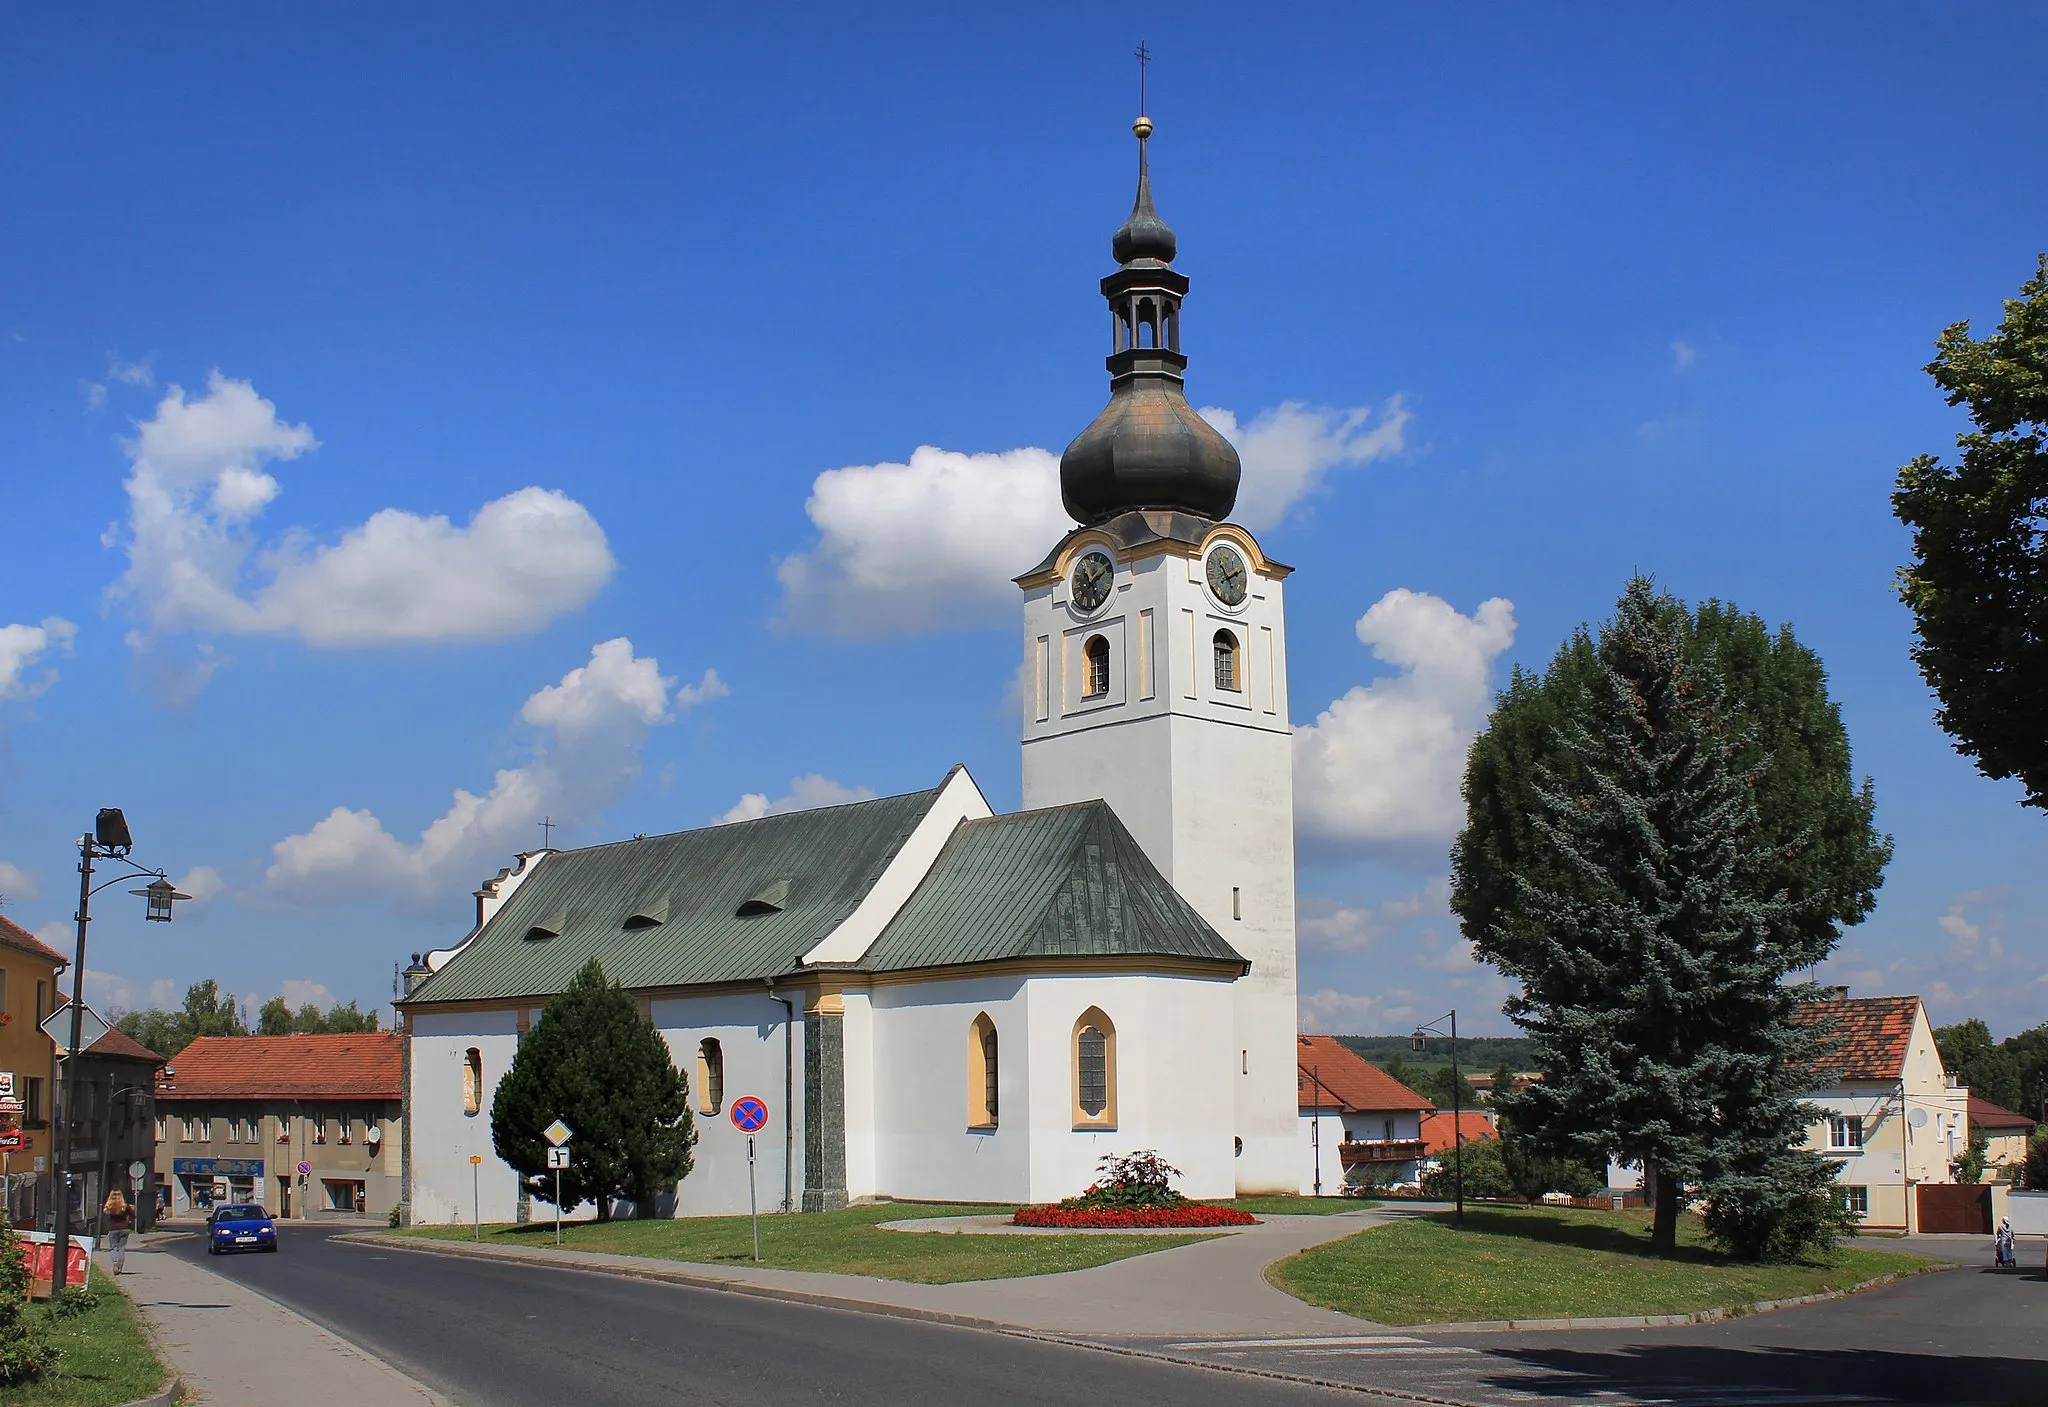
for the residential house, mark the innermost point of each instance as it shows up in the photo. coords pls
(1358, 1123)
(28, 985)
(1441, 1130)
(238, 1117)
(112, 1113)
(1894, 1118)
(2006, 1135)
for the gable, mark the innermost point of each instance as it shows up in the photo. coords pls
(1869, 1037)
(1329, 1074)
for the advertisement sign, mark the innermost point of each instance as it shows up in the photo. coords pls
(40, 1249)
(217, 1167)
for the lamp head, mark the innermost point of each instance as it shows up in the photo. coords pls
(110, 831)
(1416, 1041)
(161, 893)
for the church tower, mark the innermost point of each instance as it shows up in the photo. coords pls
(1156, 672)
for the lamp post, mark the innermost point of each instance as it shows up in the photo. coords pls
(107, 1148)
(1457, 1103)
(109, 840)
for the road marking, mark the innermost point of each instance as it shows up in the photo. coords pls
(1299, 1343)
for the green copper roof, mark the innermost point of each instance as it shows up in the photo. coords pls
(1068, 881)
(742, 902)
(821, 863)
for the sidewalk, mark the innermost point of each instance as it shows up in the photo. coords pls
(235, 1348)
(1209, 1288)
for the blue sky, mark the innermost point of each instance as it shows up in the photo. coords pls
(365, 374)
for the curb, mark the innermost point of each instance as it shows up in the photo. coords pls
(169, 1397)
(1666, 1321)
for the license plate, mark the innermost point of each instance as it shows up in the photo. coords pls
(244, 1240)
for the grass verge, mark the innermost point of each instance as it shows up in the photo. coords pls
(106, 1356)
(1300, 1206)
(847, 1242)
(1547, 1263)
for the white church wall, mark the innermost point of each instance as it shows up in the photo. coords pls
(1321, 1130)
(749, 1029)
(912, 1092)
(1173, 1080)
(443, 1136)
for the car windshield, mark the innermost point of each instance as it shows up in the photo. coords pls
(241, 1214)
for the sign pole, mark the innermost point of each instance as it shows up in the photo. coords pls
(476, 1200)
(558, 1206)
(753, 1210)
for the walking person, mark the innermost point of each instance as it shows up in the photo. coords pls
(120, 1221)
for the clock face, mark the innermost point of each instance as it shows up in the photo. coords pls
(1227, 576)
(1092, 577)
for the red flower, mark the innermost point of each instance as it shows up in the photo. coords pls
(1192, 1214)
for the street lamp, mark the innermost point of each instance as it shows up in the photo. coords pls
(1420, 1041)
(110, 840)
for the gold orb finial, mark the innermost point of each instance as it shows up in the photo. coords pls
(1143, 127)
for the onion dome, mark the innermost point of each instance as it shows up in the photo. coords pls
(1147, 449)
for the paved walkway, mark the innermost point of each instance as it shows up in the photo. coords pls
(1209, 1288)
(235, 1348)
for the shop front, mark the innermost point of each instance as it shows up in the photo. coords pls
(199, 1184)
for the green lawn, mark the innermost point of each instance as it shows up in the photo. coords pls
(1546, 1263)
(1300, 1206)
(844, 1241)
(106, 1357)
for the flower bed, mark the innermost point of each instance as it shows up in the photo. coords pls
(1195, 1214)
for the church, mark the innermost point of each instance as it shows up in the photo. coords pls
(936, 1002)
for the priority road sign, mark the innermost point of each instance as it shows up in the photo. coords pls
(556, 1133)
(749, 1115)
(558, 1157)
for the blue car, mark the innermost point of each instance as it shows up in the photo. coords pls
(240, 1227)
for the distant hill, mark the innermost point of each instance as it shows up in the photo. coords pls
(1477, 1055)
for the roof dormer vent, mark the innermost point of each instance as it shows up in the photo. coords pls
(651, 914)
(550, 926)
(769, 900)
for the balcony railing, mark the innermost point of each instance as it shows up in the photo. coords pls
(1389, 1150)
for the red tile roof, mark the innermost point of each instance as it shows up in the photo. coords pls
(15, 936)
(1346, 1079)
(1988, 1116)
(360, 1066)
(1870, 1034)
(1437, 1129)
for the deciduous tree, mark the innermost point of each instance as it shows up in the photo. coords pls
(1978, 581)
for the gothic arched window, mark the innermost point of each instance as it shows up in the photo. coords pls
(710, 1076)
(1094, 1071)
(981, 1073)
(472, 1081)
(1227, 676)
(1095, 655)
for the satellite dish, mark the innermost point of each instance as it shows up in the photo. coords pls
(373, 1135)
(1918, 1118)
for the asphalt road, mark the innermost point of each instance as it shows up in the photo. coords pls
(489, 1335)
(1966, 1335)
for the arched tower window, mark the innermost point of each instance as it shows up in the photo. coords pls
(981, 1073)
(1094, 1071)
(1095, 655)
(710, 1076)
(1227, 663)
(472, 1081)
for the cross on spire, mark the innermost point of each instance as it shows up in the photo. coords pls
(547, 832)
(1144, 57)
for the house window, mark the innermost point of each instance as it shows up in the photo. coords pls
(32, 1095)
(1094, 1071)
(710, 1076)
(198, 1128)
(981, 1073)
(1855, 1199)
(1387, 1130)
(3, 989)
(1845, 1131)
(1096, 655)
(472, 1081)
(160, 1130)
(42, 999)
(1226, 663)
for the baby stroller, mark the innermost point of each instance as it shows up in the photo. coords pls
(2005, 1255)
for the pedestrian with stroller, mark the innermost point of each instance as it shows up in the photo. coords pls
(2005, 1254)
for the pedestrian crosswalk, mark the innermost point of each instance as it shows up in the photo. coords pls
(1431, 1370)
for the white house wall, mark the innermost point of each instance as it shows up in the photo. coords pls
(1321, 1131)
(443, 1138)
(749, 1029)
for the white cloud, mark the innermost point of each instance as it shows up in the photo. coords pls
(1683, 355)
(18, 883)
(199, 480)
(806, 793)
(1336, 1013)
(21, 646)
(1326, 926)
(56, 934)
(297, 992)
(109, 993)
(585, 754)
(131, 373)
(933, 543)
(202, 882)
(1382, 764)
(1289, 451)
